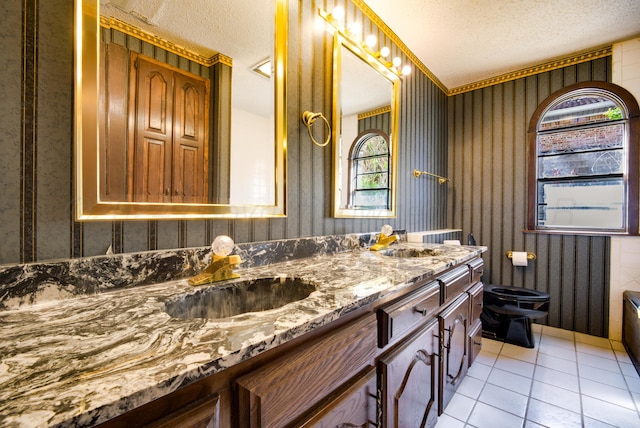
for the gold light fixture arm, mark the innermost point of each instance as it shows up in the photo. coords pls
(441, 179)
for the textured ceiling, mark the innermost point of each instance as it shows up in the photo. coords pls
(466, 41)
(459, 41)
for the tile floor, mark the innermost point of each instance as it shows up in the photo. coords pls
(568, 380)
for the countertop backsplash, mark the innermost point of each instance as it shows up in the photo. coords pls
(49, 281)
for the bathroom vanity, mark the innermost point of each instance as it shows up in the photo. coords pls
(383, 339)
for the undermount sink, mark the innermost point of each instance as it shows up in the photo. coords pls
(239, 297)
(412, 252)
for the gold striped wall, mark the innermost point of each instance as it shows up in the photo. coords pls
(487, 166)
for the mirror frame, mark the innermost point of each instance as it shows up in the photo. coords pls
(88, 205)
(340, 41)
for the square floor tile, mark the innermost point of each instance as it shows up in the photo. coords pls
(460, 407)
(504, 399)
(519, 353)
(556, 396)
(566, 353)
(628, 370)
(552, 416)
(599, 362)
(609, 413)
(617, 396)
(485, 416)
(511, 381)
(485, 357)
(596, 351)
(479, 371)
(560, 364)
(446, 421)
(557, 332)
(556, 378)
(470, 387)
(633, 383)
(558, 342)
(602, 342)
(493, 346)
(602, 376)
(518, 367)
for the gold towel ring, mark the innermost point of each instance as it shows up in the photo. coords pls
(308, 118)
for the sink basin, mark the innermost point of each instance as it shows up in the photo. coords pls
(239, 297)
(412, 252)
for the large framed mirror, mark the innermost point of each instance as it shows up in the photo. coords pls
(180, 111)
(365, 130)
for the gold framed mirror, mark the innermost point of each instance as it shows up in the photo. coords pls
(366, 98)
(221, 177)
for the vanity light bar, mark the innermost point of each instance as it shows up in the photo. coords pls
(367, 45)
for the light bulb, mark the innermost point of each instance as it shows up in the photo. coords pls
(406, 70)
(355, 28)
(371, 40)
(397, 61)
(384, 52)
(338, 13)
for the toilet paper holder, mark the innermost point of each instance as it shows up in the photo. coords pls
(530, 256)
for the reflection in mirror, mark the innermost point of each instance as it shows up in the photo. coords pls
(180, 111)
(366, 99)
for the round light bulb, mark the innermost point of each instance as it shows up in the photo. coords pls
(355, 28)
(387, 230)
(397, 61)
(222, 246)
(384, 52)
(406, 70)
(338, 13)
(371, 40)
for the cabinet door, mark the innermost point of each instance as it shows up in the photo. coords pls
(353, 406)
(475, 341)
(152, 154)
(203, 413)
(453, 330)
(409, 381)
(190, 140)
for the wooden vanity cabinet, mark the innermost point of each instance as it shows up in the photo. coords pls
(277, 393)
(453, 323)
(392, 363)
(408, 380)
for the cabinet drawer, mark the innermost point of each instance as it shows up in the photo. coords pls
(283, 390)
(401, 317)
(476, 268)
(352, 406)
(453, 283)
(475, 294)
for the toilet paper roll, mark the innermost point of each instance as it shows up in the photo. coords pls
(519, 258)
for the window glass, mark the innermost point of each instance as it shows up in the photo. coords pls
(581, 158)
(370, 171)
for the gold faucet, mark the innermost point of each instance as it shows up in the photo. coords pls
(221, 268)
(384, 239)
(222, 263)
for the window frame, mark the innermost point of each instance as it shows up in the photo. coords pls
(630, 175)
(356, 146)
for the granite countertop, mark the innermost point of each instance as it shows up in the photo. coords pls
(82, 361)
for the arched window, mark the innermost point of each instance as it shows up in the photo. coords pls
(583, 161)
(369, 171)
